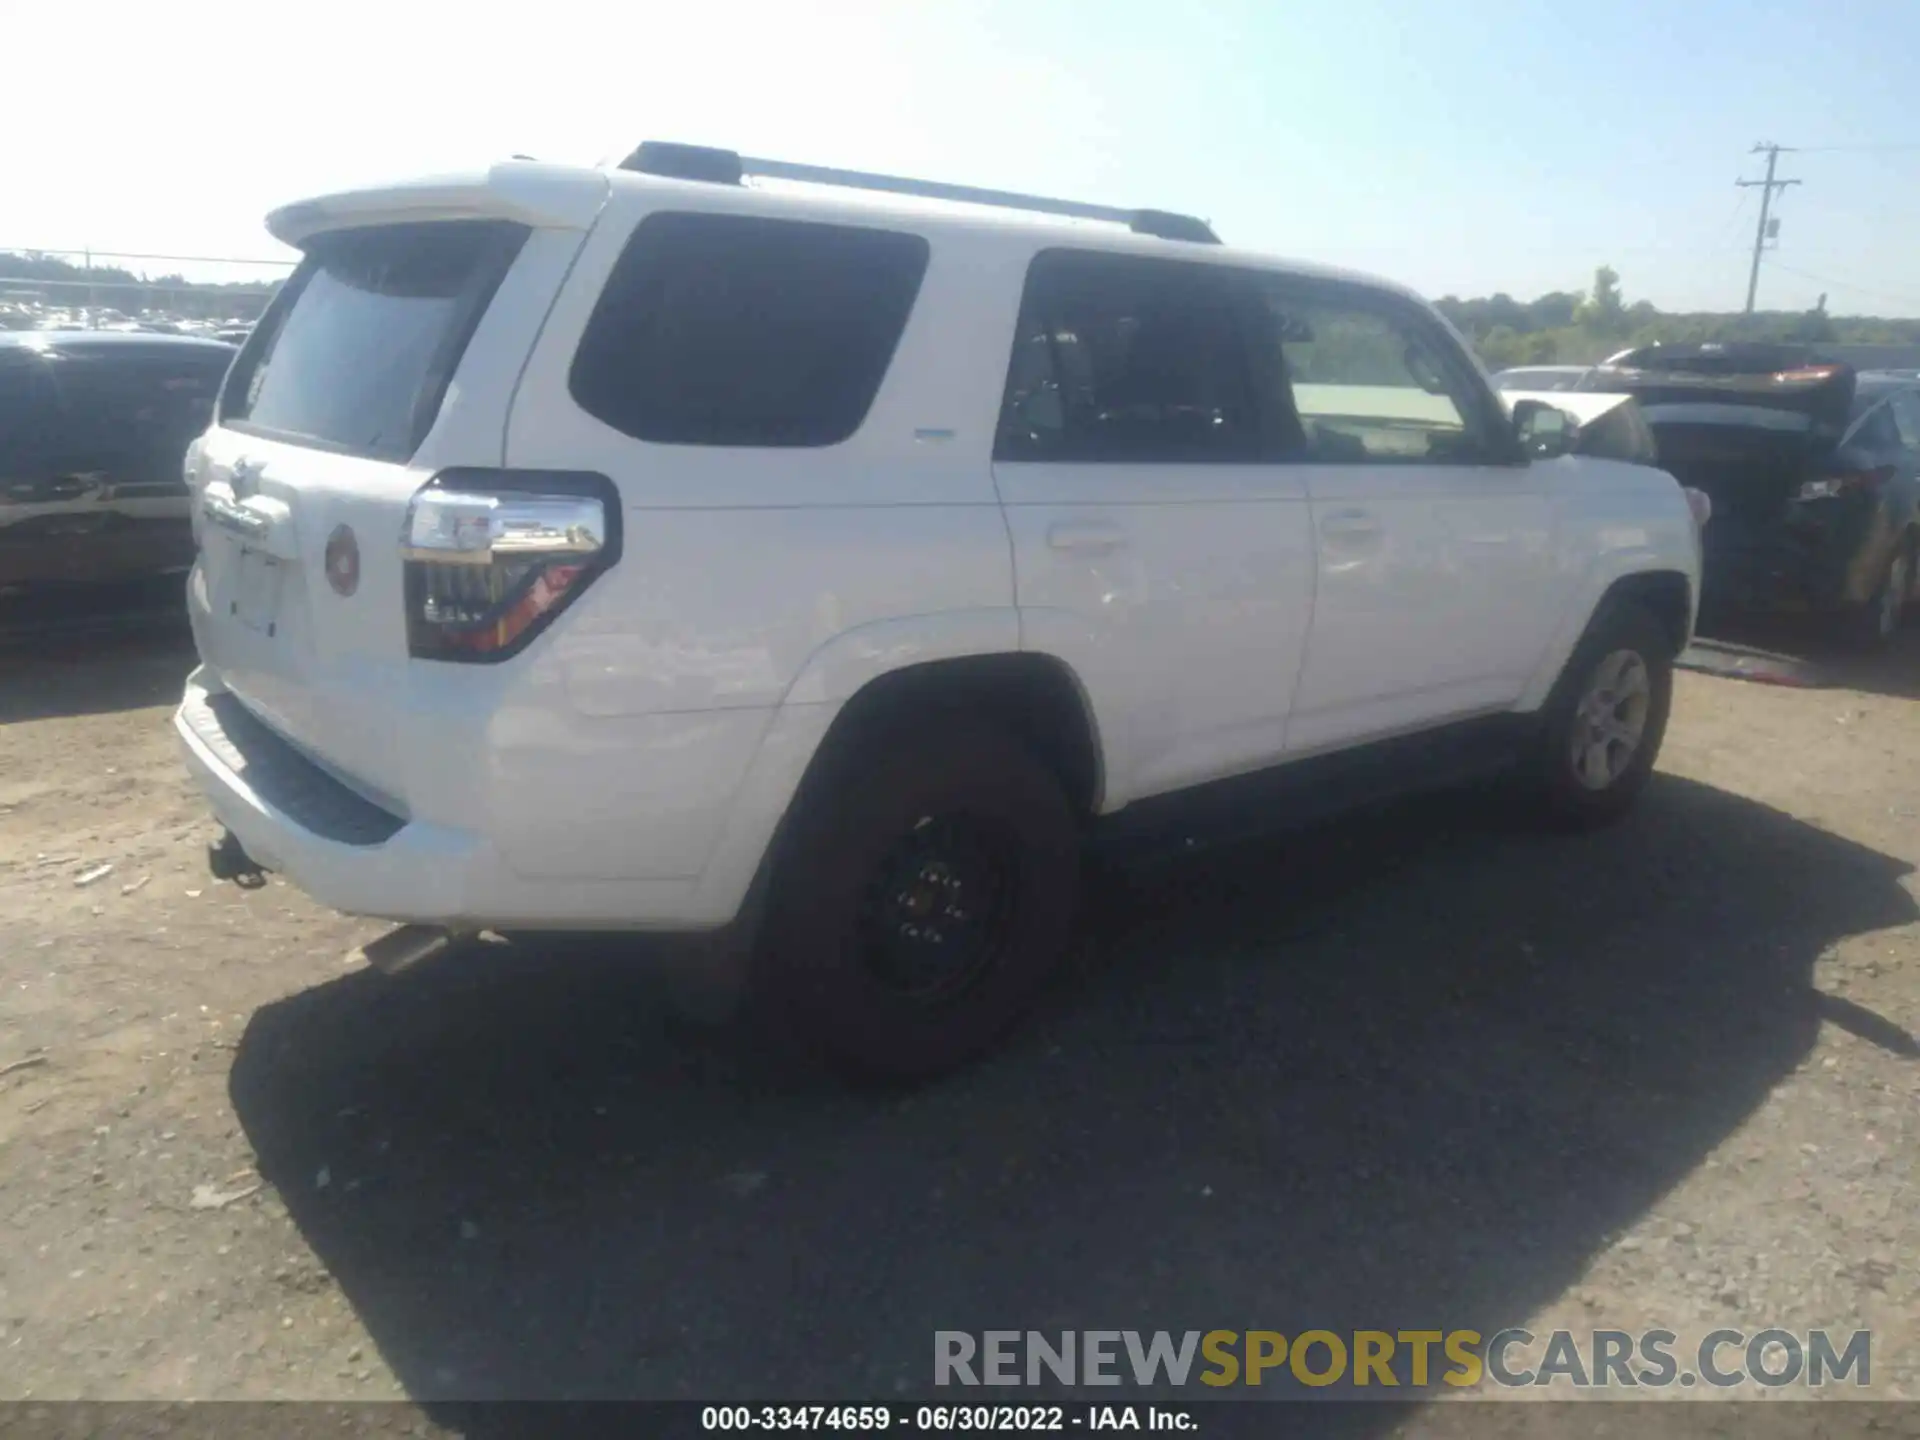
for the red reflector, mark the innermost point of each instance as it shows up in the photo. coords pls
(548, 589)
(1806, 373)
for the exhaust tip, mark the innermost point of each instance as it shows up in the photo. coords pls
(400, 950)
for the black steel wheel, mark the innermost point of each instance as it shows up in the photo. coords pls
(940, 908)
(922, 896)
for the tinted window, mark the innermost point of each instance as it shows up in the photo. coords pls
(1368, 385)
(136, 407)
(27, 414)
(739, 330)
(1117, 359)
(1906, 415)
(356, 351)
(1876, 432)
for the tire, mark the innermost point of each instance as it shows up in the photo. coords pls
(924, 893)
(1578, 782)
(1873, 626)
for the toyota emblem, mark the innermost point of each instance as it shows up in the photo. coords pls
(343, 561)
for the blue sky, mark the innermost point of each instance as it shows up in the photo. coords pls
(1462, 148)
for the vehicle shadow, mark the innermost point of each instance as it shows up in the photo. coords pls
(94, 652)
(1811, 650)
(1414, 1068)
(95, 675)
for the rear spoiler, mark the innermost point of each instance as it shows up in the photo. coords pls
(1818, 395)
(550, 197)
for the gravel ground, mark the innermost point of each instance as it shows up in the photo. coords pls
(1417, 1069)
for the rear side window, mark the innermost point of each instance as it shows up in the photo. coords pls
(356, 351)
(1906, 415)
(1876, 431)
(1118, 360)
(746, 331)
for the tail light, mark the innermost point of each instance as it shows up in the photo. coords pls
(1845, 482)
(492, 556)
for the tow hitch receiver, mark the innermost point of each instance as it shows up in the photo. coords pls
(227, 860)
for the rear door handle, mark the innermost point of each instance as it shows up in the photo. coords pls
(1350, 525)
(1087, 537)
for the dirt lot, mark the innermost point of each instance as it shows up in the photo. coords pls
(1419, 1069)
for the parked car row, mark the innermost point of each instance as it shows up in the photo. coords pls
(94, 426)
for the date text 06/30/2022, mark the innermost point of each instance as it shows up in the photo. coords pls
(943, 1419)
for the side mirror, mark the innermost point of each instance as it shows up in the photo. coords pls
(1544, 431)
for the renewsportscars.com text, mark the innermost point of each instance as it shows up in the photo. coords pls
(1376, 1360)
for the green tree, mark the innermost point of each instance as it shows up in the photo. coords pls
(1501, 348)
(1604, 308)
(1555, 310)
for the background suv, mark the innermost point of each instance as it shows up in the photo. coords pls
(93, 429)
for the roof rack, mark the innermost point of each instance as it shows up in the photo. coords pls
(729, 167)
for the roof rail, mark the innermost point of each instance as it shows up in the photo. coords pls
(728, 167)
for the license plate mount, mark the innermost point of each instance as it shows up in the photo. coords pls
(256, 591)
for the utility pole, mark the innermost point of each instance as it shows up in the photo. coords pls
(1767, 187)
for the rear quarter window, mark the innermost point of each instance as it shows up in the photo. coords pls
(1875, 431)
(746, 331)
(357, 349)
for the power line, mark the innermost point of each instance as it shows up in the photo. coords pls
(1853, 149)
(1848, 285)
(1726, 231)
(235, 288)
(138, 255)
(1766, 187)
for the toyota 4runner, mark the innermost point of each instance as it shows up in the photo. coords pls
(641, 548)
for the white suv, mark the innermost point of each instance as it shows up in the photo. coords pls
(610, 549)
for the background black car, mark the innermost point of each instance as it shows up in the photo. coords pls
(94, 428)
(1540, 377)
(1813, 470)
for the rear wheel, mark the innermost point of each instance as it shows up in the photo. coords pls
(1602, 728)
(924, 894)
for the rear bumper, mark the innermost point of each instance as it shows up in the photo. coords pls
(1780, 570)
(294, 818)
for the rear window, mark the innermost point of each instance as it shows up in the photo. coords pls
(356, 351)
(740, 330)
(134, 413)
